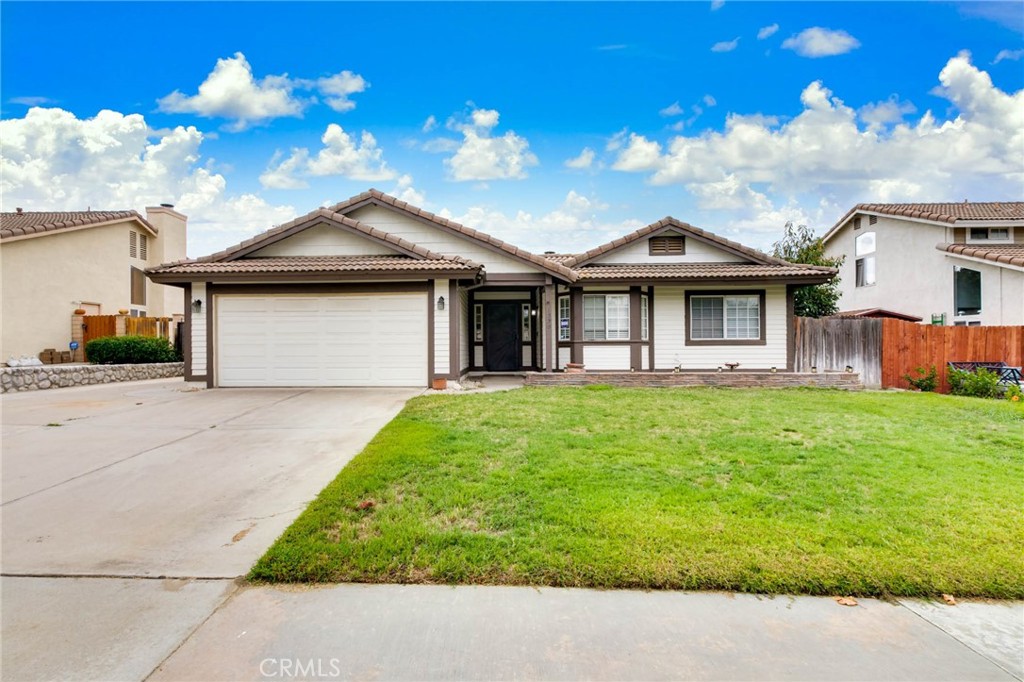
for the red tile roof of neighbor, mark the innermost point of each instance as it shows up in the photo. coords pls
(950, 213)
(27, 223)
(877, 312)
(1009, 254)
(691, 271)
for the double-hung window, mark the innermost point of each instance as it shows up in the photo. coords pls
(725, 317)
(605, 317)
(864, 247)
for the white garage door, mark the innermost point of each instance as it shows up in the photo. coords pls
(343, 340)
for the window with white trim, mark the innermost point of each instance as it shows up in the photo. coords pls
(644, 319)
(864, 247)
(989, 234)
(605, 317)
(563, 318)
(725, 317)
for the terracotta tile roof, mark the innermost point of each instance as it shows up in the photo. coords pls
(325, 215)
(1009, 254)
(686, 228)
(691, 271)
(376, 196)
(37, 222)
(316, 264)
(877, 312)
(950, 213)
(560, 257)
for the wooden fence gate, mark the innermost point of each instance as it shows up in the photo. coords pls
(98, 326)
(830, 344)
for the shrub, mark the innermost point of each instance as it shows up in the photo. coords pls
(1013, 393)
(130, 350)
(980, 384)
(925, 382)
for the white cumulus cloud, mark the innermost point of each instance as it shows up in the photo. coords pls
(767, 31)
(1008, 55)
(54, 161)
(726, 45)
(482, 156)
(821, 42)
(831, 155)
(231, 91)
(583, 161)
(341, 155)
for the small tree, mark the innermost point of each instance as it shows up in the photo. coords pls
(799, 245)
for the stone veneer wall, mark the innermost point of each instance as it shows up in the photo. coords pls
(63, 376)
(850, 382)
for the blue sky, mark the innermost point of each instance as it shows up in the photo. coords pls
(549, 125)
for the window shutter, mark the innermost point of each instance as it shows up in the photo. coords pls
(133, 249)
(143, 247)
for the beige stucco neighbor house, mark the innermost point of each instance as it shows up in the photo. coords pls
(376, 292)
(55, 262)
(955, 264)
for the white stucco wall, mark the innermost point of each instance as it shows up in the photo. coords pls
(438, 240)
(44, 278)
(670, 347)
(914, 277)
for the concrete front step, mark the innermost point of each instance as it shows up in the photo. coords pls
(841, 380)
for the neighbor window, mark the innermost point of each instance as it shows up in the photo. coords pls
(644, 319)
(966, 291)
(605, 317)
(563, 318)
(725, 317)
(865, 265)
(666, 246)
(990, 234)
(138, 287)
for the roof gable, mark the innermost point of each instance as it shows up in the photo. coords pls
(25, 224)
(671, 225)
(376, 198)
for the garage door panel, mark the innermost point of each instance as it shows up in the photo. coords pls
(339, 340)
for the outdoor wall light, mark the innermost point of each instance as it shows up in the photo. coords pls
(440, 302)
(774, 370)
(849, 369)
(814, 369)
(719, 368)
(197, 305)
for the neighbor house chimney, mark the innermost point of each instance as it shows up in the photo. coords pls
(18, 210)
(168, 246)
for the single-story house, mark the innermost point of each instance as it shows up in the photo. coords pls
(55, 262)
(376, 292)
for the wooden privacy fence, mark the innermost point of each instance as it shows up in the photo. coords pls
(907, 346)
(883, 351)
(148, 326)
(832, 343)
(98, 326)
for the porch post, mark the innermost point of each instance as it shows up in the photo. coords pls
(576, 324)
(550, 324)
(635, 350)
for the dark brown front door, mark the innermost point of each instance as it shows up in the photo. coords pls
(501, 337)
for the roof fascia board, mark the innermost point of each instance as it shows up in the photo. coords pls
(77, 228)
(983, 261)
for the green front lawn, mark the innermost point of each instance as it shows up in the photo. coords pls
(793, 491)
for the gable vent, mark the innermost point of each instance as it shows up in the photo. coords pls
(666, 246)
(872, 220)
(143, 247)
(856, 223)
(133, 244)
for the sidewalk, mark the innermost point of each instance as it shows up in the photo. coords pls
(396, 632)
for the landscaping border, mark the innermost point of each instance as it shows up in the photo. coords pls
(14, 379)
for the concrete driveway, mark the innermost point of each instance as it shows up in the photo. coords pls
(129, 509)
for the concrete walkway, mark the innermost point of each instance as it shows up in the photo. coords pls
(392, 632)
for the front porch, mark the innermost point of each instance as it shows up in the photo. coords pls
(849, 381)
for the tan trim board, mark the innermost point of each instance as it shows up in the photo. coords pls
(302, 277)
(210, 331)
(650, 328)
(430, 333)
(790, 331)
(454, 310)
(635, 351)
(315, 288)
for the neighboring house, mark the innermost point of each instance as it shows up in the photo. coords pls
(959, 264)
(375, 292)
(56, 262)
